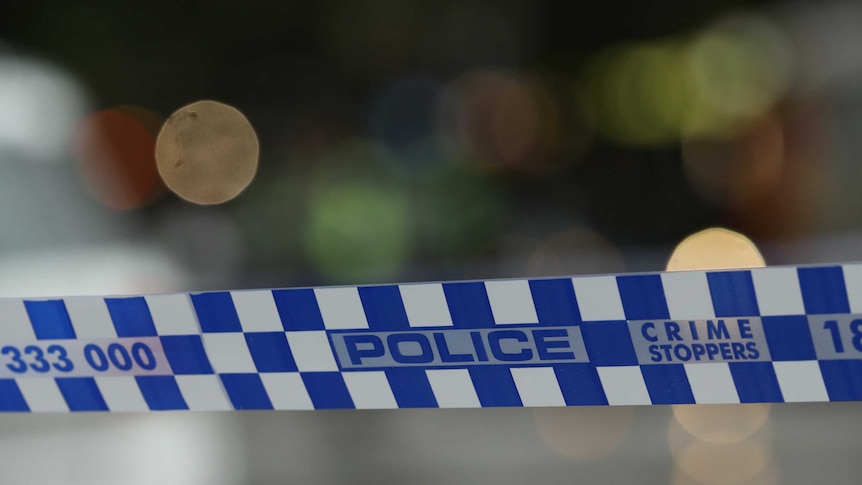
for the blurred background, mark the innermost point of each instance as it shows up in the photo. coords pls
(428, 140)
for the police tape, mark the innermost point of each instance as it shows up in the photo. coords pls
(778, 334)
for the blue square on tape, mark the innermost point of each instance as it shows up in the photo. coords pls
(131, 317)
(270, 352)
(411, 388)
(667, 384)
(298, 309)
(186, 354)
(383, 307)
(843, 379)
(161, 392)
(823, 290)
(642, 297)
(495, 386)
(580, 385)
(469, 304)
(81, 394)
(755, 382)
(609, 343)
(246, 391)
(11, 398)
(733, 294)
(327, 390)
(216, 312)
(50, 319)
(789, 337)
(555, 301)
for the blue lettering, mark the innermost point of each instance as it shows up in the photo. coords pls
(425, 355)
(494, 339)
(443, 348)
(371, 346)
(672, 331)
(711, 351)
(745, 328)
(753, 353)
(683, 356)
(481, 353)
(656, 355)
(645, 327)
(542, 344)
(724, 347)
(716, 330)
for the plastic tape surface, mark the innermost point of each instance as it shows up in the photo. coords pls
(779, 334)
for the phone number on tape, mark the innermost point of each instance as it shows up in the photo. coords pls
(48, 358)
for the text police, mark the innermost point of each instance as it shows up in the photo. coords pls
(459, 347)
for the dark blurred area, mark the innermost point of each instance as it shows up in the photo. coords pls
(425, 140)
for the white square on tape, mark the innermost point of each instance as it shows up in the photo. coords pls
(203, 393)
(624, 385)
(173, 314)
(598, 298)
(778, 291)
(711, 383)
(90, 317)
(311, 351)
(14, 321)
(425, 305)
(538, 386)
(453, 388)
(341, 308)
(801, 381)
(370, 390)
(228, 352)
(853, 283)
(121, 393)
(286, 390)
(42, 395)
(511, 302)
(256, 310)
(687, 295)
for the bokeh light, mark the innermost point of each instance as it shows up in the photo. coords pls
(768, 475)
(719, 463)
(641, 92)
(498, 120)
(739, 68)
(40, 105)
(116, 150)
(577, 250)
(584, 433)
(358, 231)
(207, 152)
(358, 220)
(715, 248)
(721, 423)
(737, 171)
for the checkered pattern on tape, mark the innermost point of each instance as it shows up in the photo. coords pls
(269, 349)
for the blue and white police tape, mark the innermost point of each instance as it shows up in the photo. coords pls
(780, 334)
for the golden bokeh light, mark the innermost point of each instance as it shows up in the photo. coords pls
(584, 433)
(115, 150)
(715, 248)
(207, 152)
(721, 423)
(720, 463)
